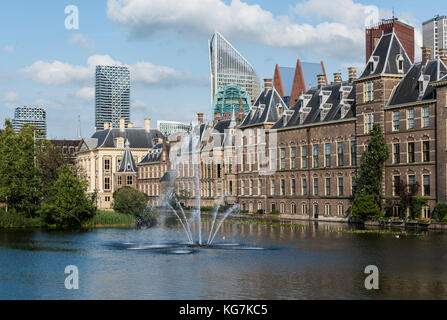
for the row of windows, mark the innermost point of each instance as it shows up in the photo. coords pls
(410, 122)
(411, 180)
(293, 209)
(152, 171)
(292, 190)
(411, 154)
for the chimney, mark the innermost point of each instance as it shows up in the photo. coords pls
(106, 125)
(426, 55)
(443, 55)
(268, 84)
(337, 77)
(147, 124)
(122, 124)
(321, 80)
(200, 118)
(352, 72)
(130, 125)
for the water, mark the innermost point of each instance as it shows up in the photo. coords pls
(253, 262)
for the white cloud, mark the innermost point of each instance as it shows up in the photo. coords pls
(241, 21)
(87, 93)
(9, 48)
(83, 41)
(10, 96)
(138, 104)
(60, 73)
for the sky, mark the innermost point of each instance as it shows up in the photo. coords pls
(46, 62)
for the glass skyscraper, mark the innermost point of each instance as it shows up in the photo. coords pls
(34, 116)
(112, 96)
(228, 66)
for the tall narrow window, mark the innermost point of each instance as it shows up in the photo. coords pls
(396, 153)
(354, 153)
(272, 187)
(426, 181)
(283, 158)
(340, 154)
(251, 187)
(411, 152)
(242, 187)
(328, 186)
(396, 125)
(315, 186)
(327, 155)
(283, 187)
(353, 185)
(315, 155)
(259, 187)
(425, 117)
(411, 180)
(410, 119)
(304, 157)
(396, 181)
(292, 187)
(426, 150)
(369, 122)
(293, 157)
(106, 164)
(340, 187)
(304, 186)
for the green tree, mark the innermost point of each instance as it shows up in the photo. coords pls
(49, 160)
(365, 207)
(67, 204)
(440, 212)
(369, 180)
(128, 200)
(20, 183)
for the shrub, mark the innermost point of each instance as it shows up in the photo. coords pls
(440, 212)
(128, 200)
(12, 219)
(275, 212)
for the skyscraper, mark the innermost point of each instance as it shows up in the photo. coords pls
(34, 116)
(403, 31)
(435, 35)
(228, 66)
(112, 95)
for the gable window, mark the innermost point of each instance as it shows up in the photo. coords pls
(396, 126)
(400, 64)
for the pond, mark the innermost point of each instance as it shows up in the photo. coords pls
(249, 261)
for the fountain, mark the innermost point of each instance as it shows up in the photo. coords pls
(189, 150)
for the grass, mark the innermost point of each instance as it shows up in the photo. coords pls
(109, 219)
(11, 219)
(379, 232)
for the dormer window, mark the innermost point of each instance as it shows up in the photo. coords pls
(400, 63)
(372, 64)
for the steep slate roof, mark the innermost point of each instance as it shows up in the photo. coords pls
(407, 90)
(137, 137)
(127, 164)
(334, 113)
(387, 51)
(153, 155)
(271, 100)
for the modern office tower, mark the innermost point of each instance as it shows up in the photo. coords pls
(170, 127)
(34, 116)
(403, 31)
(228, 66)
(434, 33)
(112, 96)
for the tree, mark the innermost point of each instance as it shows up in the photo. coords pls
(372, 165)
(20, 183)
(49, 160)
(128, 200)
(440, 212)
(365, 207)
(67, 204)
(406, 194)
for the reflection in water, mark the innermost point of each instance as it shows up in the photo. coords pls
(248, 261)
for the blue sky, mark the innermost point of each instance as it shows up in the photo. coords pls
(42, 63)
